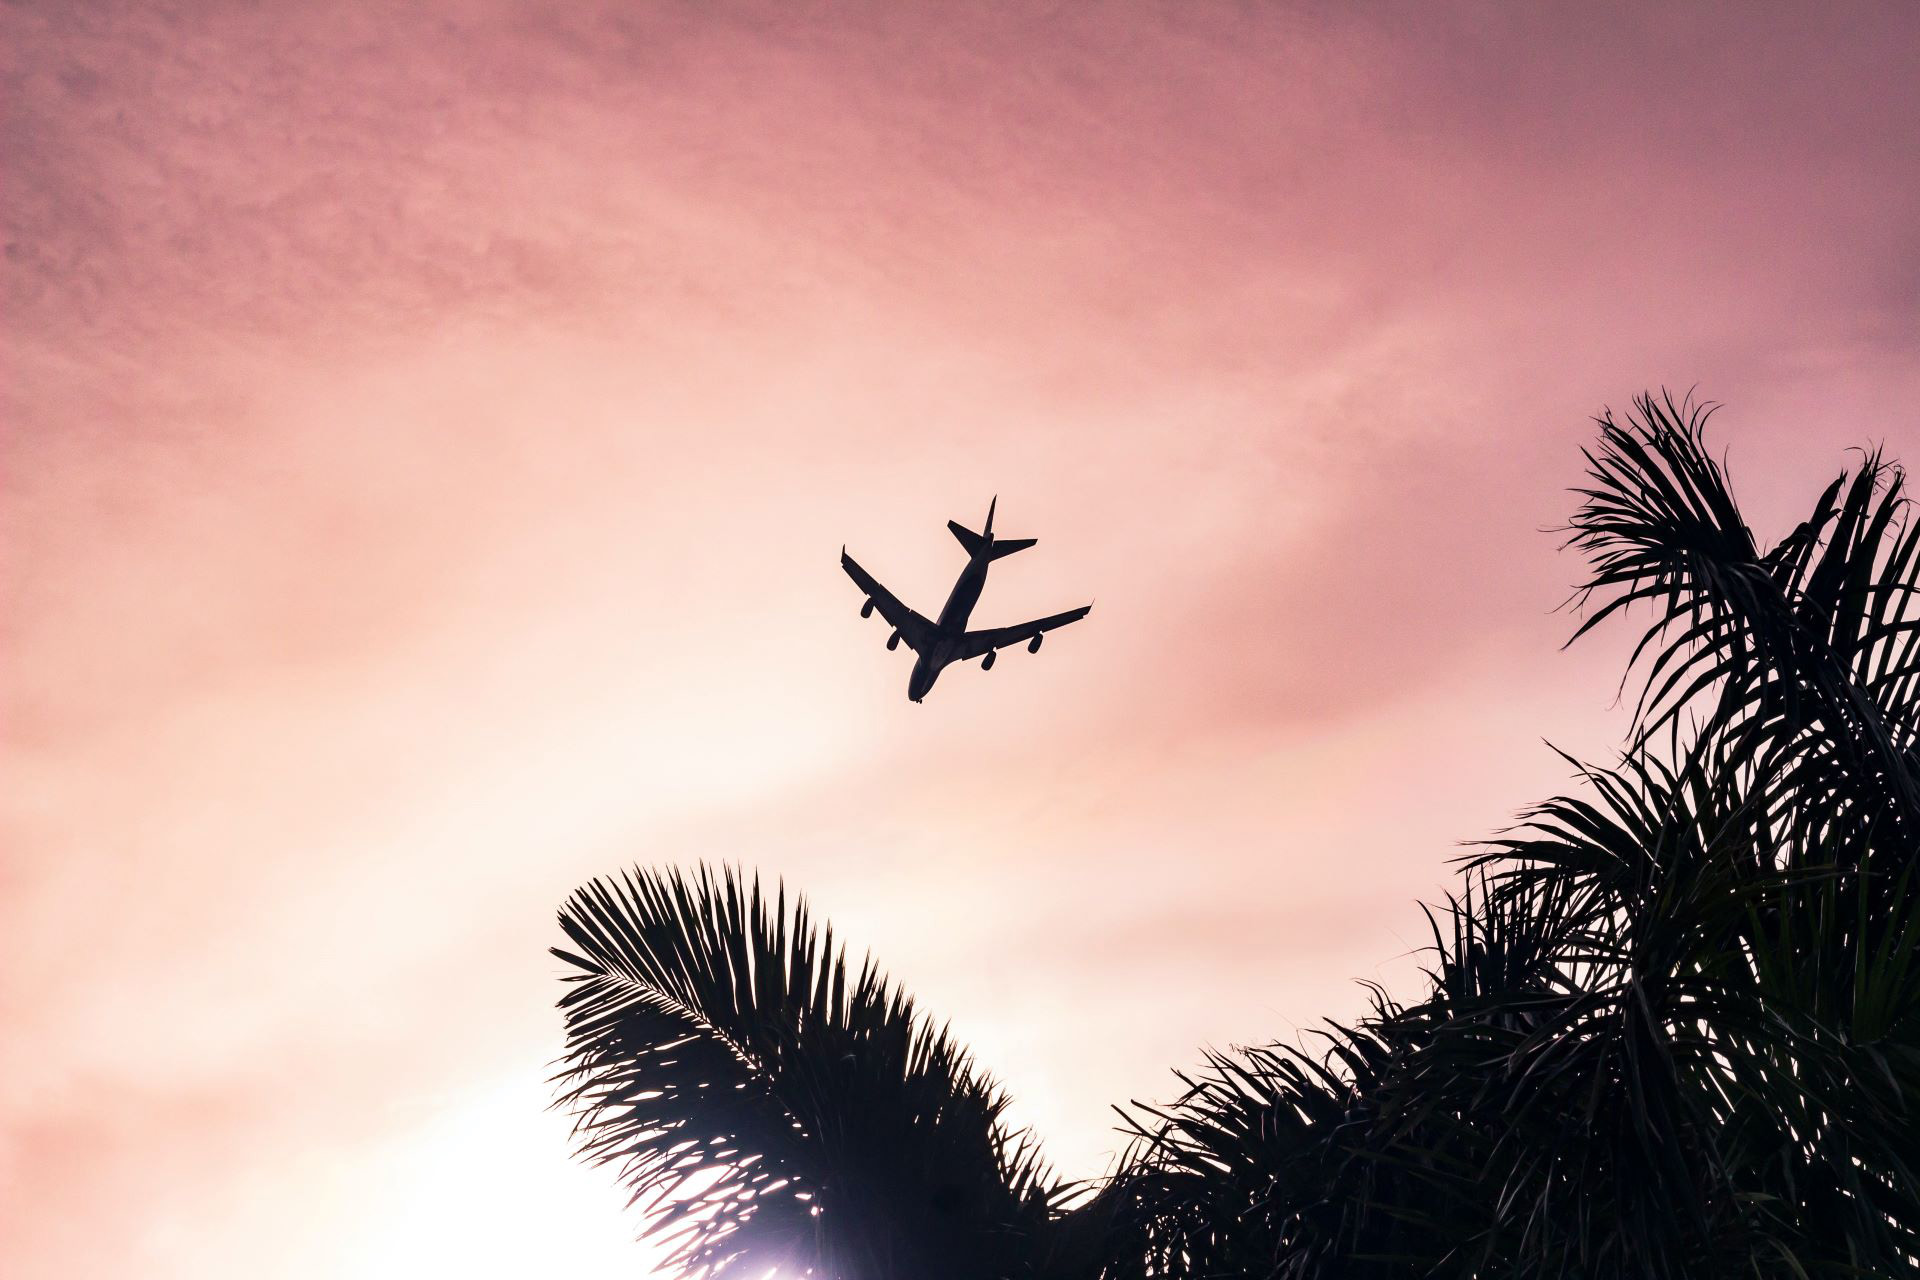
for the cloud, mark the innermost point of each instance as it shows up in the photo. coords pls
(430, 431)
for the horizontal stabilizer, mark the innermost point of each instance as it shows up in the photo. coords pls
(1007, 546)
(968, 538)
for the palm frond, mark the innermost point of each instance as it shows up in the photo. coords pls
(775, 1106)
(1813, 647)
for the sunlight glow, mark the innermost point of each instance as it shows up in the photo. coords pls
(485, 1188)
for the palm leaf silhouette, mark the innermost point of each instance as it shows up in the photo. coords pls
(1674, 1022)
(774, 1106)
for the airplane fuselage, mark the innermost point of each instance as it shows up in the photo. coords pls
(952, 624)
(966, 594)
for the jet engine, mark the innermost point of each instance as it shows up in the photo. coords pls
(893, 641)
(1034, 647)
(866, 610)
(986, 663)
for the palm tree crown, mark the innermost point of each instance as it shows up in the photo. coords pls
(780, 1108)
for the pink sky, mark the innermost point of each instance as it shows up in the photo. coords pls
(430, 431)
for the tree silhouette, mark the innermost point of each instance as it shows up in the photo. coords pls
(795, 1113)
(1672, 1027)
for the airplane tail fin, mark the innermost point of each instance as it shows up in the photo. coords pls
(994, 547)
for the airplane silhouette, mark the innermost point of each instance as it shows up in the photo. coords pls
(948, 640)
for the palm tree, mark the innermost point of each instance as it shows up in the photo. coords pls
(780, 1109)
(1672, 1027)
(1674, 1023)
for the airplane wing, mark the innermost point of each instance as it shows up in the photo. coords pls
(975, 643)
(913, 628)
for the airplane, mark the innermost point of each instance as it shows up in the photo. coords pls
(948, 640)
